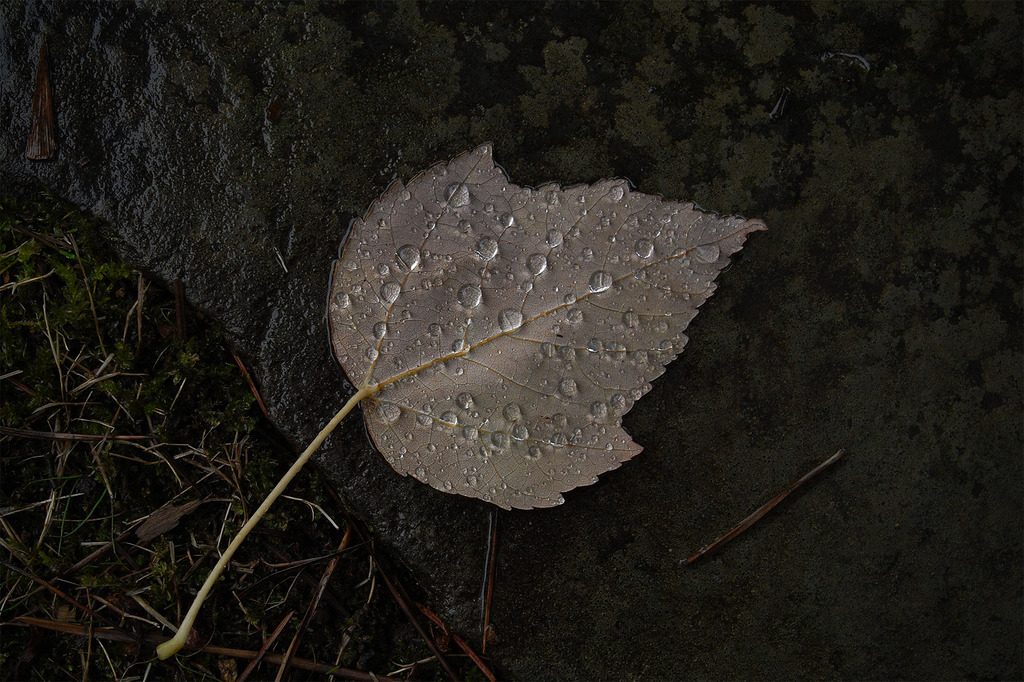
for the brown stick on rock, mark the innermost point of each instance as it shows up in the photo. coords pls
(42, 139)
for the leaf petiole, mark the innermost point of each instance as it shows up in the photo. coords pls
(173, 645)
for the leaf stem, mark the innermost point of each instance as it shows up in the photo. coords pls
(173, 645)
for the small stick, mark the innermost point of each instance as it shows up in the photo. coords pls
(266, 646)
(462, 644)
(767, 507)
(115, 635)
(314, 603)
(492, 558)
(42, 141)
(252, 386)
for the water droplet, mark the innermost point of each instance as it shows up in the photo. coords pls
(449, 418)
(559, 420)
(383, 270)
(520, 432)
(600, 281)
(409, 255)
(665, 346)
(447, 485)
(709, 253)
(471, 480)
(434, 329)
(537, 263)
(574, 315)
(630, 319)
(618, 402)
(487, 248)
(470, 296)
(379, 330)
(390, 412)
(500, 440)
(554, 238)
(389, 292)
(512, 412)
(470, 433)
(617, 193)
(509, 319)
(464, 400)
(598, 410)
(457, 194)
(371, 354)
(595, 346)
(643, 248)
(340, 300)
(567, 387)
(421, 473)
(533, 453)
(506, 220)
(458, 345)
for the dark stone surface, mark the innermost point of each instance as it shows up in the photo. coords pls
(882, 312)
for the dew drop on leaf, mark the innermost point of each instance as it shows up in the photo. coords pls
(600, 281)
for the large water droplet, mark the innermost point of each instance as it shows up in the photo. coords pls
(506, 220)
(643, 248)
(340, 301)
(617, 193)
(509, 319)
(567, 387)
(421, 473)
(554, 238)
(449, 418)
(464, 400)
(520, 432)
(598, 410)
(457, 194)
(487, 248)
(708, 253)
(533, 453)
(390, 412)
(470, 433)
(389, 292)
(470, 296)
(537, 263)
(379, 330)
(513, 412)
(600, 281)
(409, 255)
(500, 440)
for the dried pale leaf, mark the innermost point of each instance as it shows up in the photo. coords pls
(164, 519)
(504, 331)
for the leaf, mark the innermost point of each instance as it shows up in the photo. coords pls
(499, 333)
(504, 331)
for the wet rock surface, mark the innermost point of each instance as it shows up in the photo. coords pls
(229, 146)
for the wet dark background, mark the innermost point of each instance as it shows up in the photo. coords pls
(881, 312)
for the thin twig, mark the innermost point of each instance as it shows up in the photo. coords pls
(767, 507)
(314, 603)
(116, 635)
(266, 647)
(492, 557)
(50, 435)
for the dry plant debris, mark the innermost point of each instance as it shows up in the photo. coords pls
(127, 457)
